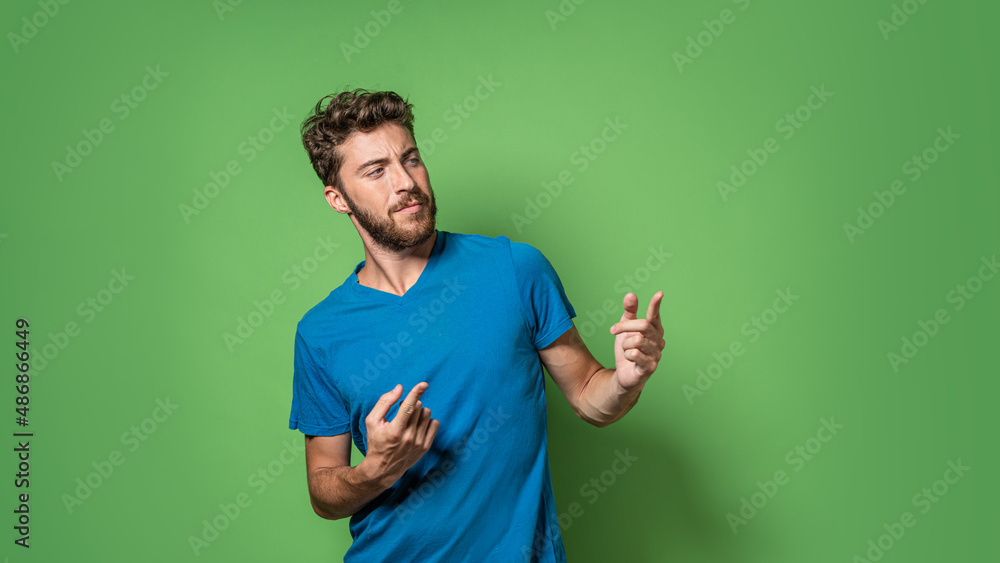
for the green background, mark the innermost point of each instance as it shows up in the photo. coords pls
(655, 185)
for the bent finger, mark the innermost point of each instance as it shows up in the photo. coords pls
(409, 405)
(432, 429)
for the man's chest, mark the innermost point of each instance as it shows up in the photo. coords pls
(469, 341)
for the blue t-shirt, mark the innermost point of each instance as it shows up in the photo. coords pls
(471, 327)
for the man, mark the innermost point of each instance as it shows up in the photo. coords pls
(463, 325)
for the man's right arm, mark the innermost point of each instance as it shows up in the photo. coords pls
(336, 489)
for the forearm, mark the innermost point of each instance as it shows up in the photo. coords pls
(340, 492)
(604, 401)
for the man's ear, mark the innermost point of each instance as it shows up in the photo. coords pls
(336, 199)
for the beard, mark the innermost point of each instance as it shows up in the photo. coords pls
(389, 234)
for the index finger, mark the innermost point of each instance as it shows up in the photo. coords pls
(409, 404)
(653, 312)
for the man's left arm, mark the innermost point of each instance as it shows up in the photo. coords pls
(597, 394)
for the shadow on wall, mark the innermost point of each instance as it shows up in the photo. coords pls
(623, 495)
(612, 506)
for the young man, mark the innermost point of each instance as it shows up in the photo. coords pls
(461, 324)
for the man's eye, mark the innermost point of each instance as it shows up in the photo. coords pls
(415, 160)
(375, 172)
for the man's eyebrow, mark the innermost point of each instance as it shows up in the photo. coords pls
(384, 160)
(372, 162)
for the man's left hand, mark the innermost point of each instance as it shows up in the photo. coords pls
(638, 342)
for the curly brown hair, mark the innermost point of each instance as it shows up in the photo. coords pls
(326, 128)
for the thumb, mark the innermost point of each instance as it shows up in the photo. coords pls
(386, 401)
(631, 305)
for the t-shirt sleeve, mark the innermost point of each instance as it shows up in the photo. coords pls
(317, 408)
(546, 308)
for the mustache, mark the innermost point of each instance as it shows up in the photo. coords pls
(415, 197)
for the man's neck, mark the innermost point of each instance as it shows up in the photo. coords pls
(395, 272)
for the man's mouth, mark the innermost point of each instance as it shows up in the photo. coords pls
(412, 208)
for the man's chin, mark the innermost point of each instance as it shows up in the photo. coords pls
(423, 235)
(410, 238)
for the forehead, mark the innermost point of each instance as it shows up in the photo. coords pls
(385, 141)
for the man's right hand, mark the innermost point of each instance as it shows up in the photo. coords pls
(393, 447)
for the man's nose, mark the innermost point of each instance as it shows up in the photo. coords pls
(402, 181)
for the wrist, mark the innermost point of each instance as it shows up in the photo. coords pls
(368, 476)
(622, 390)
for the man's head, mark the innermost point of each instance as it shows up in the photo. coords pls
(361, 146)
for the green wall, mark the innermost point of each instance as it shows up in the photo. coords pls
(157, 196)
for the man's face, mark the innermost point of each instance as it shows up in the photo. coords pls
(381, 176)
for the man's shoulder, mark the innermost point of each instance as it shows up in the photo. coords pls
(524, 256)
(319, 315)
(476, 242)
